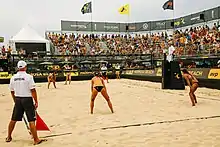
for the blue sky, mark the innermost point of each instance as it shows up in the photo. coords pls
(46, 14)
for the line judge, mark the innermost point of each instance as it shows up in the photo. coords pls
(22, 87)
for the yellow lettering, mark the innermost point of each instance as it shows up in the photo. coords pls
(5, 75)
(214, 74)
(159, 72)
(196, 73)
(149, 71)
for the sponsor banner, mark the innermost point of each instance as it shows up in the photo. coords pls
(158, 25)
(44, 74)
(68, 25)
(38, 74)
(1, 39)
(195, 18)
(214, 74)
(83, 26)
(75, 26)
(72, 73)
(168, 24)
(140, 72)
(186, 21)
(219, 12)
(123, 72)
(98, 26)
(128, 72)
(132, 27)
(199, 73)
(144, 72)
(5, 75)
(86, 73)
(159, 72)
(180, 22)
(53, 67)
(142, 26)
(211, 14)
(123, 27)
(111, 27)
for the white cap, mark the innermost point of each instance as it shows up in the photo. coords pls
(21, 64)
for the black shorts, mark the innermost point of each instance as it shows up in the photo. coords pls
(99, 88)
(104, 74)
(24, 105)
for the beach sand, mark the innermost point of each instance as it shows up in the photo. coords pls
(66, 110)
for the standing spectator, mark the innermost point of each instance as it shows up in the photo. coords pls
(104, 71)
(9, 49)
(170, 52)
(3, 50)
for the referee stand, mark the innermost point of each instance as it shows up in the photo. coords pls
(171, 75)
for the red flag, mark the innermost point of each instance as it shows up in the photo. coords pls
(40, 124)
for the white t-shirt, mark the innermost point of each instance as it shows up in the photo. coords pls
(117, 67)
(22, 83)
(170, 53)
(171, 50)
(104, 69)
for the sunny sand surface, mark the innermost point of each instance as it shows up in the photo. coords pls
(66, 110)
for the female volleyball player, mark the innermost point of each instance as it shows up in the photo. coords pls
(68, 77)
(68, 73)
(98, 85)
(193, 83)
(52, 78)
(117, 71)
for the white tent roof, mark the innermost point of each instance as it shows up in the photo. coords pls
(28, 35)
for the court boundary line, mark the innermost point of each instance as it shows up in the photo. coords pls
(160, 122)
(56, 135)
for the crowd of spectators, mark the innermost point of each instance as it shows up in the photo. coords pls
(192, 41)
(198, 40)
(201, 40)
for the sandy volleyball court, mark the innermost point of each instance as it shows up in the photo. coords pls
(66, 110)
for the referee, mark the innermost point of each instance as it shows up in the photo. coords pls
(22, 87)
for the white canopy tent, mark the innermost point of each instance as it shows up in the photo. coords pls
(28, 35)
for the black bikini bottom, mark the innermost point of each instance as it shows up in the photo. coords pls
(99, 88)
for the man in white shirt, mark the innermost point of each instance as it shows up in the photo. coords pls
(104, 70)
(22, 87)
(171, 50)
